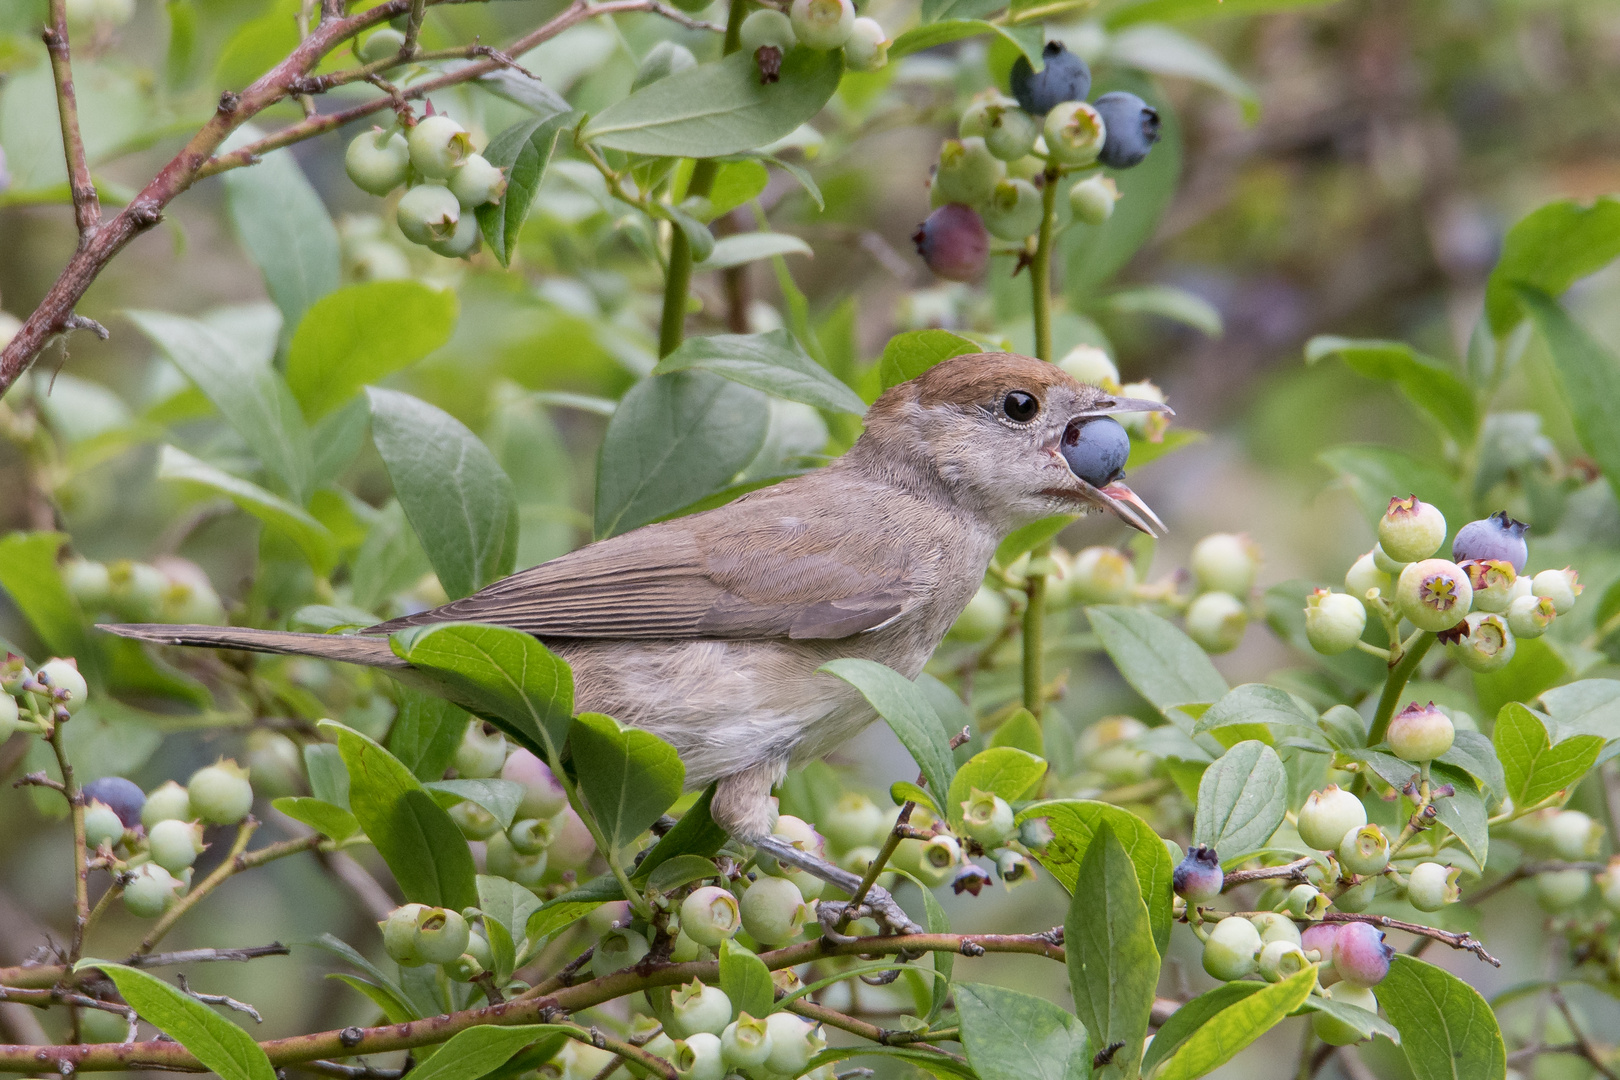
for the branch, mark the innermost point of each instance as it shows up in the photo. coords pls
(1465, 942)
(86, 204)
(1294, 871)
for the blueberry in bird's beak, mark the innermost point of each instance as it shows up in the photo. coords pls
(1096, 448)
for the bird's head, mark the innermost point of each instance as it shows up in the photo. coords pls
(1012, 439)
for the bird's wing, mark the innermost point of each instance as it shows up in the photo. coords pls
(764, 566)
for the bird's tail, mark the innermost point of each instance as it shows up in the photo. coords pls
(370, 651)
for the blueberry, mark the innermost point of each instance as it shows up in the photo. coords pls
(1065, 77)
(1198, 877)
(124, 796)
(1359, 954)
(953, 242)
(1096, 450)
(1495, 537)
(1133, 128)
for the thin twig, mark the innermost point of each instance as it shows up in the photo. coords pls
(1294, 871)
(236, 861)
(821, 1014)
(1589, 1050)
(86, 204)
(219, 999)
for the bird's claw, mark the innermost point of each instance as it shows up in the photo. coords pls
(878, 904)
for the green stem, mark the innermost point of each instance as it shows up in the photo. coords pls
(1040, 270)
(1040, 274)
(1395, 686)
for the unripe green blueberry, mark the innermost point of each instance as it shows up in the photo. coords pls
(1559, 586)
(150, 890)
(1008, 131)
(1383, 562)
(1275, 926)
(461, 243)
(1574, 835)
(67, 686)
(1102, 575)
(1014, 868)
(1307, 902)
(773, 912)
(854, 821)
(1365, 576)
(822, 24)
(1433, 594)
(1198, 877)
(1280, 959)
(1091, 365)
(1608, 883)
(857, 860)
(478, 959)
(582, 1060)
(377, 161)
(137, 589)
(697, 1009)
(939, 858)
(383, 44)
(1360, 955)
(1489, 644)
(699, 1057)
(1092, 200)
(572, 845)
(428, 212)
(90, 584)
(1075, 133)
(968, 173)
(101, 1026)
(474, 821)
(1225, 562)
(618, 949)
(709, 915)
(530, 836)
(867, 47)
(794, 1041)
(767, 28)
(1107, 746)
(746, 1042)
(988, 818)
(438, 146)
(102, 824)
(1420, 733)
(1217, 620)
(168, 802)
(11, 720)
(1327, 815)
(1364, 850)
(1529, 616)
(543, 797)
(983, 617)
(1411, 529)
(1359, 897)
(476, 182)
(800, 833)
(1521, 587)
(1560, 890)
(1335, 1032)
(399, 934)
(1334, 622)
(685, 950)
(1013, 211)
(441, 935)
(175, 845)
(479, 755)
(220, 793)
(1492, 581)
(1431, 886)
(1232, 950)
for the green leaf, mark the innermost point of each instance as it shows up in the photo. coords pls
(673, 440)
(1447, 1029)
(746, 981)
(311, 537)
(362, 333)
(1426, 382)
(509, 905)
(744, 248)
(1144, 11)
(1003, 771)
(523, 150)
(736, 183)
(320, 815)
(219, 1044)
(1548, 250)
(698, 236)
(1160, 662)
(695, 834)
(499, 797)
(504, 675)
(1168, 302)
(1588, 374)
(1222, 1035)
(1368, 1023)
(1241, 800)
(328, 777)
(628, 776)
(1014, 1036)
(29, 576)
(721, 108)
(773, 362)
(284, 226)
(1374, 474)
(1188, 1018)
(426, 733)
(1587, 707)
(245, 389)
(462, 506)
(1112, 960)
(1533, 765)
(908, 355)
(933, 34)
(678, 871)
(396, 1008)
(483, 1049)
(907, 712)
(1474, 754)
(1274, 715)
(1074, 824)
(415, 837)
(1464, 812)
(935, 10)
(390, 559)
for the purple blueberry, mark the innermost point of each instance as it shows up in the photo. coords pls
(1495, 537)
(1096, 450)
(1198, 877)
(953, 242)
(1360, 955)
(1133, 128)
(123, 796)
(1063, 77)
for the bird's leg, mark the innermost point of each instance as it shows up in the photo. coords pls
(877, 902)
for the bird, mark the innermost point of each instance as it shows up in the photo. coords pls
(708, 630)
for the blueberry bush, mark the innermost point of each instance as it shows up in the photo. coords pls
(452, 288)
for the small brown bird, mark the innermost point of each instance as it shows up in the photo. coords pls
(708, 630)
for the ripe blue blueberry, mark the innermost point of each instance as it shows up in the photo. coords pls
(1133, 128)
(1064, 77)
(953, 242)
(124, 796)
(1096, 450)
(1495, 537)
(1199, 877)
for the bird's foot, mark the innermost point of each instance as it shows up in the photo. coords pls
(877, 903)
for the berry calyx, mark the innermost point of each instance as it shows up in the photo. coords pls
(699, 1057)
(1014, 868)
(823, 24)
(1075, 133)
(1420, 733)
(746, 1042)
(1007, 130)
(1092, 200)
(1360, 955)
(1216, 621)
(438, 146)
(697, 1008)
(1364, 850)
(1334, 622)
(1280, 959)
(1488, 644)
(1307, 902)
(1063, 77)
(1433, 594)
(441, 935)
(1133, 128)
(1328, 815)
(377, 161)
(1494, 537)
(1232, 949)
(528, 836)
(220, 793)
(1492, 581)
(1198, 877)
(954, 242)
(709, 915)
(1431, 886)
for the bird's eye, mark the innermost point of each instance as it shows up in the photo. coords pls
(1096, 450)
(1021, 406)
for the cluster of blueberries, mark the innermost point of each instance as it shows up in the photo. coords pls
(988, 181)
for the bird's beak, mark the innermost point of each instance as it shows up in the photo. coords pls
(1128, 506)
(1108, 405)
